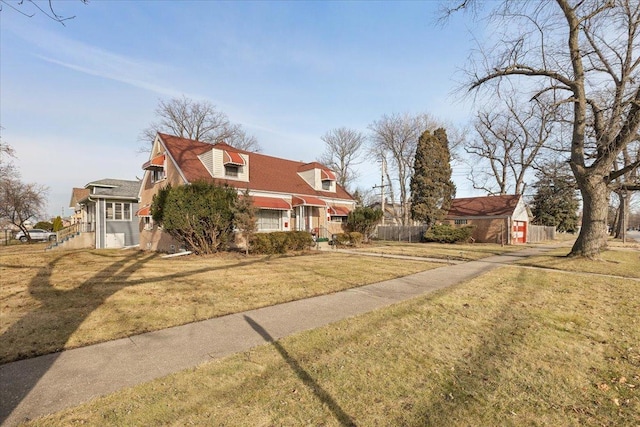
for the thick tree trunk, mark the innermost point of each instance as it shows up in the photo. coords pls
(593, 233)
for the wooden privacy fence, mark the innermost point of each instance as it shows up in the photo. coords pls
(401, 233)
(540, 233)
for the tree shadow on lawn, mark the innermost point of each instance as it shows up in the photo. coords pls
(478, 374)
(343, 418)
(62, 312)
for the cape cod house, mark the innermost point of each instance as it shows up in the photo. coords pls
(288, 195)
(496, 219)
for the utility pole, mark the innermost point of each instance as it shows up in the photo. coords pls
(381, 186)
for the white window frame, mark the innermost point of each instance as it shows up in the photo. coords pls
(267, 224)
(148, 223)
(229, 168)
(157, 175)
(111, 209)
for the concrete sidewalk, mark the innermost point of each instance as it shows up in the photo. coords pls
(47, 384)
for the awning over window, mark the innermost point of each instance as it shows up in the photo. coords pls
(145, 211)
(308, 201)
(338, 211)
(233, 158)
(156, 162)
(327, 175)
(275, 203)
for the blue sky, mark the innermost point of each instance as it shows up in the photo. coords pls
(74, 98)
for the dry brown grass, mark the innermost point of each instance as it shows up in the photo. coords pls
(514, 347)
(463, 252)
(58, 300)
(618, 261)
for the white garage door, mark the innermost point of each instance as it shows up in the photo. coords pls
(115, 240)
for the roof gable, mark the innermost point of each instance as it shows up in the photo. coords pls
(77, 195)
(113, 187)
(503, 205)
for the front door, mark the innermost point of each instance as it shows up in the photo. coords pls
(519, 232)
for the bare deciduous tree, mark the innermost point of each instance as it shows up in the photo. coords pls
(7, 169)
(20, 202)
(30, 8)
(394, 138)
(585, 54)
(508, 145)
(628, 183)
(342, 151)
(197, 120)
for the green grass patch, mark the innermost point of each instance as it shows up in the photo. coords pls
(513, 347)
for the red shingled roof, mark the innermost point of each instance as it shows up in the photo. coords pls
(266, 173)
(483, 206)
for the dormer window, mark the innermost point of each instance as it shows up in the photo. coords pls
(328, 178)
(233, 164)
(231, 170)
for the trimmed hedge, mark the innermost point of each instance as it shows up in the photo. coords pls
(281, 242)
(445, 233)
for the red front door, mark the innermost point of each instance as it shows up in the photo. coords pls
(519, 232)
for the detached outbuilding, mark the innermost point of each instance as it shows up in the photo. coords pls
(496, 219)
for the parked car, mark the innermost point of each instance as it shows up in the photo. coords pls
(37, 234)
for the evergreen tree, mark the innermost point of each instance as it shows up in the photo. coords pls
(431, 186)
(57, 224)
(364, 220)
(246, 218)
(555, 202)
(199, 215)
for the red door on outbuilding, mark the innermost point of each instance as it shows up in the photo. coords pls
(519, 232)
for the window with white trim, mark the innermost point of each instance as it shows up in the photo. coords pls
(231, 170)
(157, 174)
(460, 222)
(118, 211)
(148, 223)
(269, 220)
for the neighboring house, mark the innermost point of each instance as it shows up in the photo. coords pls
(496, 219)
(79, 214)
(104, 211)
(288, 195)
(392, 214)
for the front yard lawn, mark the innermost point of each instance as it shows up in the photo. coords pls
(516, 346)
(460, 252)
(57, 300)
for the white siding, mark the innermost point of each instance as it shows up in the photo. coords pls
(520, 212)
(207, 161)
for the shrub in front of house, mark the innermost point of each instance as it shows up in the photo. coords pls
(356, 238)
(445, 233)
(281, 242)
(353, 238)
(261, 244)
(300, 240)
(341, 239)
